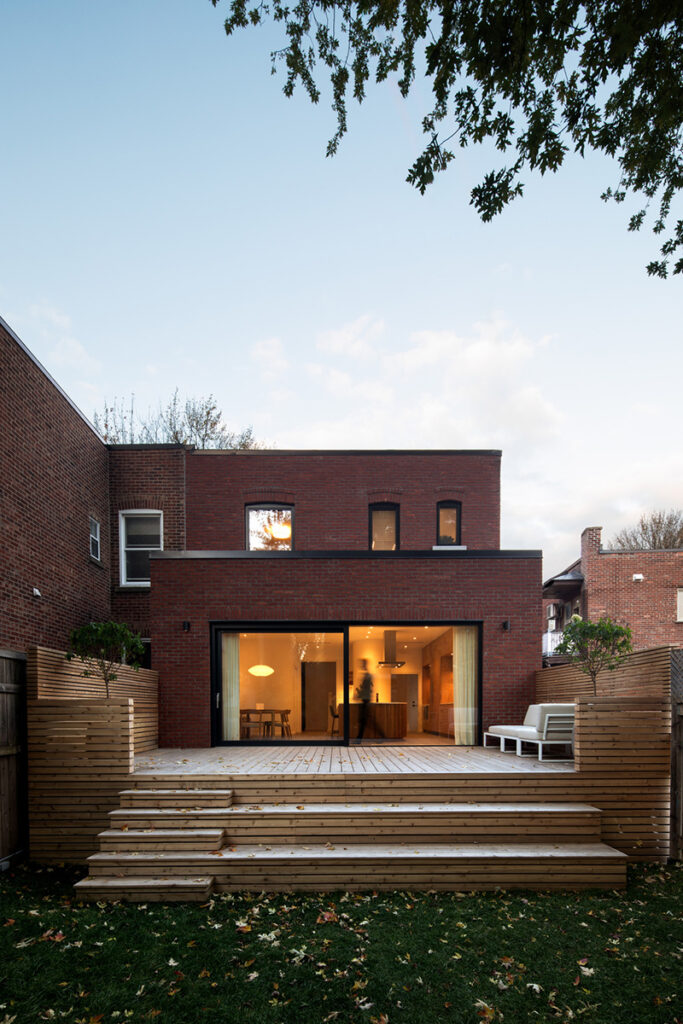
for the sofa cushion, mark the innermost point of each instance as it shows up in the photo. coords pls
(533, 715)
(515, 732)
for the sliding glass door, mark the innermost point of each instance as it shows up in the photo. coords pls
(406, 684)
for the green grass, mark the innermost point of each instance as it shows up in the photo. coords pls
(415, 958)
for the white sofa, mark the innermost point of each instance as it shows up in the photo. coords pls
(544, 725)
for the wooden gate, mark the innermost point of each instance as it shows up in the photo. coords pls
(13, 789)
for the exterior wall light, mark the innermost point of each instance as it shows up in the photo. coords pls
(507, 625)
(186, 627)
(638, 577)
(36, 592)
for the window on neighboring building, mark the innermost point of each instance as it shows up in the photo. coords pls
(384, 532)
(679, 605)
(140, 533)
(270, 527)
(94, 539)
(448, 522)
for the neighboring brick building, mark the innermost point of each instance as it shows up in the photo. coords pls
(269, 583)
(639, 589)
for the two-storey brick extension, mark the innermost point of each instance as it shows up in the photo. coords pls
(279, 590)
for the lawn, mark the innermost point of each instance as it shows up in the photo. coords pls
(382, 958)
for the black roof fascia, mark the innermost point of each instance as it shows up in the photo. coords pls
(363, 555)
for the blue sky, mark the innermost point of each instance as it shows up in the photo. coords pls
(169, 219)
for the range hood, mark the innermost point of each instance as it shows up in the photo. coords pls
(390, 651)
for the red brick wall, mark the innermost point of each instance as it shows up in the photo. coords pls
(331, 492)
(144, 477)
(364, 589)
(648, 606)
(53, 477)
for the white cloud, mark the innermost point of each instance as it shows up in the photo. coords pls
(353, 339)
(269, 355)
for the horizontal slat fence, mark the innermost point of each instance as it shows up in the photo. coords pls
(49, 675)
(80, 755)
(641, 674)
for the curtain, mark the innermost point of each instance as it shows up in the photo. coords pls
(230, 697)
(465, 661)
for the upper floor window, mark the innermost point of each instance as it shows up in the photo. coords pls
(94, 539)
(448, 523)
(384, 533)
(679, 605)
(140, 532)
(270, 527)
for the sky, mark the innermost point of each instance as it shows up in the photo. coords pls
(169, 219)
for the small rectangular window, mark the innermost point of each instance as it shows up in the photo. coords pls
(270, 527)
(94, 539)
(140, 534)
(679, 605)
(384, 535)
(448, 523)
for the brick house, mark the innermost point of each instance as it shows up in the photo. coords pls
(268, 584)
(639, 589)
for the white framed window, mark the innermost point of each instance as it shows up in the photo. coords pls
(679, 605)
(94, 539)
(140, 532)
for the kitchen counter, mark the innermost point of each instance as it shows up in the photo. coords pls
(385, 721)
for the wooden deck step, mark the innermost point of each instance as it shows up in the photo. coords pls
(182, 888)
(412, 823)
(115, 840)
(356, 867)
(168, 817)
(185, 799)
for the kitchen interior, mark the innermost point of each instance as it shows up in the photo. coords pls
(290, 686)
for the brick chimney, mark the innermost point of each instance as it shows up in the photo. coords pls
(590, 543)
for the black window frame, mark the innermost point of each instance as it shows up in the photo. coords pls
(271, 506)
(385, 506)
(449, 504)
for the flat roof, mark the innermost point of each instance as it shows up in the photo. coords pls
(496, 452)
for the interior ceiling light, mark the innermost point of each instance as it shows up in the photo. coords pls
(261, 670)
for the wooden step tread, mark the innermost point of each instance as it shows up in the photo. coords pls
(189, 834)
(438, 851)
(168, 812)
(402, 808)
(183, 888)
(143, 882)
(175, 792)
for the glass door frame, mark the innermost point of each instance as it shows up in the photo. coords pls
(269, 626)
(219, 628)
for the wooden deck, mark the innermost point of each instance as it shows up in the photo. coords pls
(353, 760)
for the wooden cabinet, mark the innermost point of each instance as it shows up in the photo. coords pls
(385, 721)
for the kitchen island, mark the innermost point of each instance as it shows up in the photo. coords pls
(385, 721)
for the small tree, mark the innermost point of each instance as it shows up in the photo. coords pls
(594, 646)
(196, 421)
(656, 531)
(104, 647)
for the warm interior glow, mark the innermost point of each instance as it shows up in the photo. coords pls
(279, 530)
(261, 670)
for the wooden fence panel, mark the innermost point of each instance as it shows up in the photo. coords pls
(13, 809)
(642, 674)
(80, 755)
(677, 782)
(50, 675)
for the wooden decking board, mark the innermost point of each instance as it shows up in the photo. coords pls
(364, 760)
